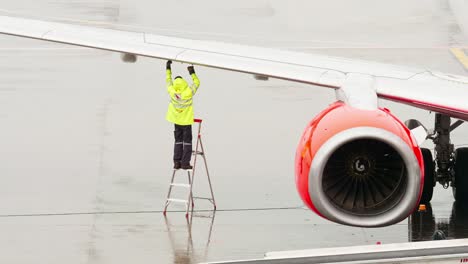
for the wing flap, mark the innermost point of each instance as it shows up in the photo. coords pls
(428, 90)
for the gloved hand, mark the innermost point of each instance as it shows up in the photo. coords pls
(168, 65)
(191, 70)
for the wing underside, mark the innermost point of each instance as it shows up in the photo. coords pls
(421, 88)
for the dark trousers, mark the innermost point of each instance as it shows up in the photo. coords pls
(183, 144)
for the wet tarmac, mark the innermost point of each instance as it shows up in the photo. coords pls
(86, 150)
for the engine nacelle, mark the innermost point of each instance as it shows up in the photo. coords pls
(359, 167)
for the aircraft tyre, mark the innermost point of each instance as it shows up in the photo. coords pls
(460, 186)
(429, 172)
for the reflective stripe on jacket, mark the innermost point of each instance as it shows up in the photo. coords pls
(180, 110)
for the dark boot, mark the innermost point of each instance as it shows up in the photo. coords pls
(177, 165)
(187, 167)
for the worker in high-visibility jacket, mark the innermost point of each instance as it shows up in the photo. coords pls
(180, 112)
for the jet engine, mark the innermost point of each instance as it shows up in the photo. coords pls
(359, 167)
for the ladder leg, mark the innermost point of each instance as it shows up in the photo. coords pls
(190, 202)
(197, 145)
(190, 179)
(190, 196)
(191, 187)
(207, 173)
(169, 193)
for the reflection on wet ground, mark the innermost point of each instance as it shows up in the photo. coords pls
(182, 243)
(423, 224)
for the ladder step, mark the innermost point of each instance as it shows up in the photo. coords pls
(203, 198)
(202, 216)
(183, 170)
(181, 185)
(177, 200)
(198, 153)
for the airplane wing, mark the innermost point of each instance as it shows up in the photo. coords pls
(430, 90)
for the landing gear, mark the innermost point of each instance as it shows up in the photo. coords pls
(452, 167)
(429, 179)
(460, 185)
(444, 150)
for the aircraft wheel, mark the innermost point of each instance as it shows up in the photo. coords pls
(429, 172)
(460, 186)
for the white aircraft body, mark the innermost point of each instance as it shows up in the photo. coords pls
(356, 163)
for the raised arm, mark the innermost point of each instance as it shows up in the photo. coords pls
(196, 81)
(168, 76)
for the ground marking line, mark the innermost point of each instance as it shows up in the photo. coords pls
(460, 56)
(149, 212)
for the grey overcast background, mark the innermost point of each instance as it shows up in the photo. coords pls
(86, 153)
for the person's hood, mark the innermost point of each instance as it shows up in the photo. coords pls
(180, 85)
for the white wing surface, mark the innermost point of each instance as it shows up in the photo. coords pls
(421, 88)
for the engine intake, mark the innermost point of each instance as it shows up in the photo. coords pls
(364, 176)
(359, 167)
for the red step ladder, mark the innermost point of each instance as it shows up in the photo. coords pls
(189, 201)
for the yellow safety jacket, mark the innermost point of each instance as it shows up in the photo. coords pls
(180, 110)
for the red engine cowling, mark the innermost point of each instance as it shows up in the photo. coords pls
(359, 167)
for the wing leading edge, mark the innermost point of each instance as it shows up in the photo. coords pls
(417, 87)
